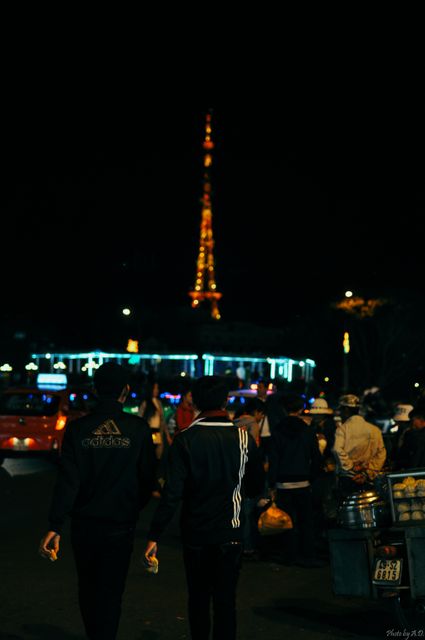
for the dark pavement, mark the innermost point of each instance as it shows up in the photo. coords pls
(38, 598)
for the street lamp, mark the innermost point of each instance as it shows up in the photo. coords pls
(358, 308)
(346, 347)
(132, 326)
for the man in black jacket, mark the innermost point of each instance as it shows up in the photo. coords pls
(106, 475)
(411, 454)
(212, 464)
(295, 460)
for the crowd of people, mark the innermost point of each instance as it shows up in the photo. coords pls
(222, 472)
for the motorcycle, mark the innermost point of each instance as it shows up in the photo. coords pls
(375, 556)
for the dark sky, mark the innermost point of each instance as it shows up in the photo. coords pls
(101, 207)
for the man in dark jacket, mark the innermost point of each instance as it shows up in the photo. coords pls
(295, 460)
(212, 464)
(106, 475)
(412, 451)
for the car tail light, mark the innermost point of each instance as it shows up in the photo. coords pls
(60, 423)
(27, 442)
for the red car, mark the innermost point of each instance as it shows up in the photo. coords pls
(33, 420)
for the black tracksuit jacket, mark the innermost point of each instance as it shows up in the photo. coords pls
(107, 469)
(211, 466)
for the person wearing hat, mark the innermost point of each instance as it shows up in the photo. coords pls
(323, 425)
(359, 448)
(401, 424)
(324, 486)
(411, 454)
(106, 476)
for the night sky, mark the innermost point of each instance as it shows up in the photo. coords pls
(101, 209)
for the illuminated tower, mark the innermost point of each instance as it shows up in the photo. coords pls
(205, 287)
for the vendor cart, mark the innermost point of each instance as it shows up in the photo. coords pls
(382, 555)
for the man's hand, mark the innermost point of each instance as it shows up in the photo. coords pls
(151, 550)
(359, 466)
(150, 559)
(49, 546)
(359, 478)
(272, 494)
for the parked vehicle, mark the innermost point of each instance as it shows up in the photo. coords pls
(33, 419)
(378, 551)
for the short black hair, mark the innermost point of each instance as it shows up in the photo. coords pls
(250, 407)
(293, 402)
(110, 379)
(210, 392)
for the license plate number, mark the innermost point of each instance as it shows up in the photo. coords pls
(387, 571)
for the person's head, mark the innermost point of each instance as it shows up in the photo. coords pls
(210, 393)
(252, 407)
(293, 403)
(258, 409)
(111, 381)
(262, 386)
(186, 398)
(348, 405)
(417, 417)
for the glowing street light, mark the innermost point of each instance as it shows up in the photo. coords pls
(132, 346)
(346, 342)
(126, 311)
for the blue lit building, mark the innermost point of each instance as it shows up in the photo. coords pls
(172, 364)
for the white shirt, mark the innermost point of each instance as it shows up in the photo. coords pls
(265, 428)
(358, 441)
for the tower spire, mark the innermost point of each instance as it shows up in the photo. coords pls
(205, 287)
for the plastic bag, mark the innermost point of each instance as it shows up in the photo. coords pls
(274, 520)
(151, 564)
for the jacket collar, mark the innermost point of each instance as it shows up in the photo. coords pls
(218, 413)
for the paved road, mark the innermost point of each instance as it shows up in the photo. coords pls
(38, 598)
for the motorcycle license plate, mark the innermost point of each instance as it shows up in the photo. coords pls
(387, 571)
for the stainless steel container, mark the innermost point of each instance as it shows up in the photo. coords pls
(364, 510)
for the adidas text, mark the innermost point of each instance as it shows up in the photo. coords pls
(106, 442)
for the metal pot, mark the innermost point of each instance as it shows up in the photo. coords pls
(364, 510)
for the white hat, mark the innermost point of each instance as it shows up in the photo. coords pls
(320, 407)
(402, 412)
(349, 400)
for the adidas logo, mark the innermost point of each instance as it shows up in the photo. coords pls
(107, 428)
(107, 436)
